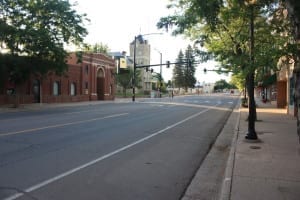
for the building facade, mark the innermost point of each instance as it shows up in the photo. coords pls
(124, 65)
(208, 87)
(286, 87)
(142, 58)
(91, 79)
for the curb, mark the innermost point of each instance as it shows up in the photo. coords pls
(208, 181)
(227, 182)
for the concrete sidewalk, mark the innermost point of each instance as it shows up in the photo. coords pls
(270, 168)
(236, 169)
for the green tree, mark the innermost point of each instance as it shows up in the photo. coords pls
(189, 69)
(124, 80)
(97, 48)
(160, 81)
(238, 80)
(34, 34)
(223, 84)
(178, 71)
(224, 28)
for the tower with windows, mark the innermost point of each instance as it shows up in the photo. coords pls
(142, 58)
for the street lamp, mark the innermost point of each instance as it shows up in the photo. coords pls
(134, 62)
(160, 72)
(251, 134)
(134, 66)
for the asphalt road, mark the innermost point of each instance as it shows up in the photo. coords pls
(149, 149)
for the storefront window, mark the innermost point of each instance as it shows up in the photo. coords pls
(56, 88)
(73, 89)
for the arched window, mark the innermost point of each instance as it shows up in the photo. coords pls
(56, 88)
(73, 89)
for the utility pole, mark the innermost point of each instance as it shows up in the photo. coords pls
(134, 69)
(160, 72)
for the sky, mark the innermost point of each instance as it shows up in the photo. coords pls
(116, 23)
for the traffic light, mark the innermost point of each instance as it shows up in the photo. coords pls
(205, 70)
(168, 64)
(147, 69)
(151, 70)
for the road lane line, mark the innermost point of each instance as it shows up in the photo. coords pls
(61, 125)
(74, 170)
(47, 115)
(191, 105)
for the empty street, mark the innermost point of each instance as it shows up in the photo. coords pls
(149, 149)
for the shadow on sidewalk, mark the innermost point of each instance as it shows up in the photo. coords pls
(269, 169)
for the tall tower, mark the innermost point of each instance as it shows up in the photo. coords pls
(142, 58)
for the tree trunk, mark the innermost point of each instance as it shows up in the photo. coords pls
(251, 134)
(293, 12)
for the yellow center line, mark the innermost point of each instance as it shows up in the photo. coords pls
(61, 125)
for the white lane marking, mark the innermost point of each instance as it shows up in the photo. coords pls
(60, 125)
(158, 105)
(50, 114)
(190, 105)
(74, 170)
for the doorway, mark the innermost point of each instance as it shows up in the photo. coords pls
(100, 84)
(281, 94)
(36, 91)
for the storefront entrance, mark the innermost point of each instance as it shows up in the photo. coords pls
(100, 84)
(36, 91)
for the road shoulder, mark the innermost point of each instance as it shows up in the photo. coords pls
(212, 178)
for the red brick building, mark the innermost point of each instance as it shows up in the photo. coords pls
(92, 79)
